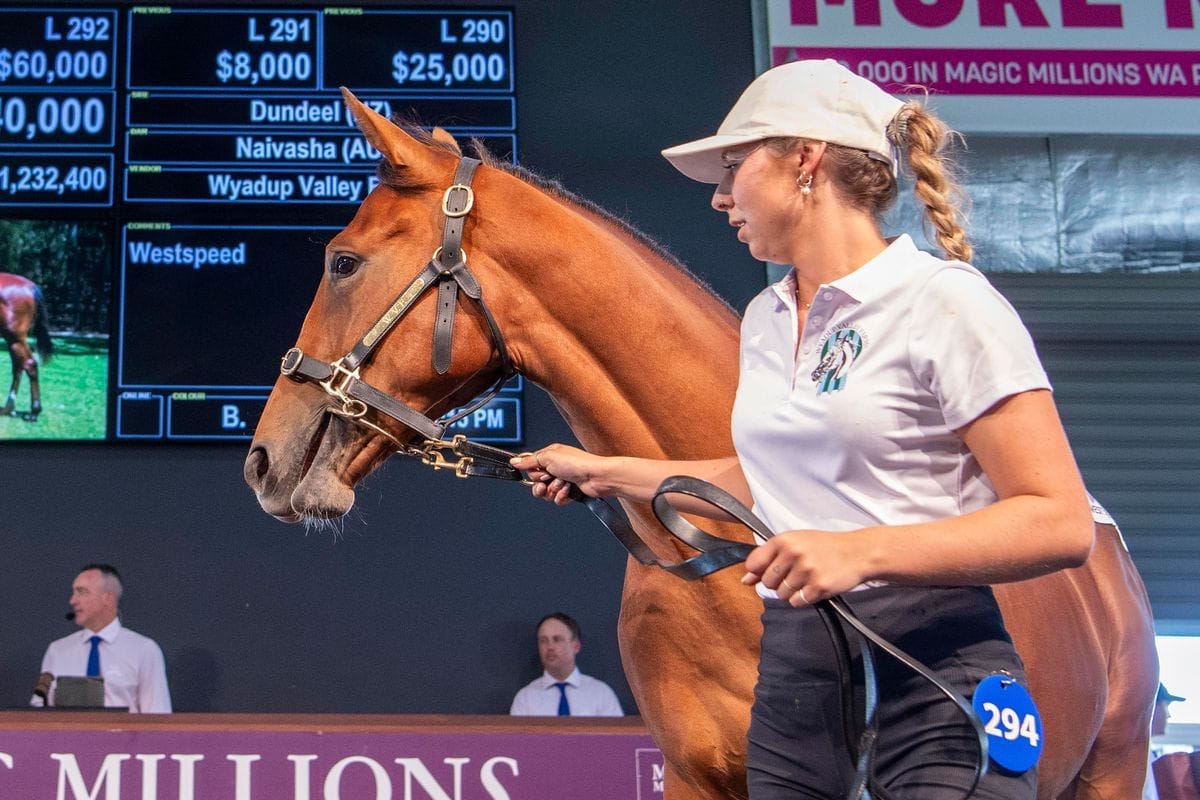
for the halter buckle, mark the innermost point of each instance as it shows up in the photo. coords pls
(291, 362)
(467, 203)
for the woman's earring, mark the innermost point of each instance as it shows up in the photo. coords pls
(804, 183)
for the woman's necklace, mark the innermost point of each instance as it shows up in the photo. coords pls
(800, 302)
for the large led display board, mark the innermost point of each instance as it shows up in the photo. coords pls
(169, 177)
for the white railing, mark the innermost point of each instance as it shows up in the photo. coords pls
(1179, 735)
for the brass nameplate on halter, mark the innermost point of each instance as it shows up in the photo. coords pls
(399, 307)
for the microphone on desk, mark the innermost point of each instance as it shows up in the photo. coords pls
(70, 615)
(42, 688)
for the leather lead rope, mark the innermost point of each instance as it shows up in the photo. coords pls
(716, 553)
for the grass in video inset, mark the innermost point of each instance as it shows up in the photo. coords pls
(54, 306)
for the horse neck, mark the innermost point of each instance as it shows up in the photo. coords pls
(638, 356)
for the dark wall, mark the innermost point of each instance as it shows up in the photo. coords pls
(423, 599)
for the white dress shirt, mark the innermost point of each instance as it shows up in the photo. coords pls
(132, 665)
(586, 697)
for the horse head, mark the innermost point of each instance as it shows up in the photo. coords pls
(548, 287)
(313, 442)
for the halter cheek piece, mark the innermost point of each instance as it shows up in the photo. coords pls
(353, 398)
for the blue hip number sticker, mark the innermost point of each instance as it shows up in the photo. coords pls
(1011, 721)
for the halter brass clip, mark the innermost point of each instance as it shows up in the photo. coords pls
(432, 455)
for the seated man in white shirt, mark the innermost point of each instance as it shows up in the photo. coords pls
(132, 665)
(562, 689)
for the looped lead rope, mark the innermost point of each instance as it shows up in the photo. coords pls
(830, 611)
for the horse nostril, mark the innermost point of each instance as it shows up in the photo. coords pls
(256, 466)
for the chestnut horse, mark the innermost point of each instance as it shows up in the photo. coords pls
(22, 309)
(622, 337)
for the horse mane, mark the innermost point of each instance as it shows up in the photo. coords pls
(396, 178)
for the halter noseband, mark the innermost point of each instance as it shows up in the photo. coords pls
(341, 379)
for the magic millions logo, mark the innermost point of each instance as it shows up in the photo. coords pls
(649, 773)
(840, 348)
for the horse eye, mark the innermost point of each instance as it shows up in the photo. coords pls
(343, 265)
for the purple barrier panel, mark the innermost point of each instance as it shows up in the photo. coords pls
(326, 765)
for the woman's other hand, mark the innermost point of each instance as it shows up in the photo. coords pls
(806, 566)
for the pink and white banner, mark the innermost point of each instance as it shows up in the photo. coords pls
(1014, 66)
(184, 759)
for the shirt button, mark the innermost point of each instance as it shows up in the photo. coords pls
(815, 321)
(827, 295)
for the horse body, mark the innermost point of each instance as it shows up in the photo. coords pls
(641, 360)
(1087, 640)
(22, 310)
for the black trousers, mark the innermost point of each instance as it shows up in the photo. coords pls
(926, 750)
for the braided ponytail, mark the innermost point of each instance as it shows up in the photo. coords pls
(925, 137)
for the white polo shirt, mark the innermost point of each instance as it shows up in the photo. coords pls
(853, 425)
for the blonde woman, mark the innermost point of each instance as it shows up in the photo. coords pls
(893, 425)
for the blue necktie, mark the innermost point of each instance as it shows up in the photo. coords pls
(564, 710)
(93, 669)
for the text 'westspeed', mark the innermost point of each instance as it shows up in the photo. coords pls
(141, 252)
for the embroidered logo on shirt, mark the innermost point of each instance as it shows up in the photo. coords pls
(838, 353)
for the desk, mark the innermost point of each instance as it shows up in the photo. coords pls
(72, 755)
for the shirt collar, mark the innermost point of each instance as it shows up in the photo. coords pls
(879, 276)
(874, 279)
(549, 680)
(107, 633)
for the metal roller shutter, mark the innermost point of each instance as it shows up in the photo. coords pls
(1123, 354)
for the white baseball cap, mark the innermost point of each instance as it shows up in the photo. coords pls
(819, 100)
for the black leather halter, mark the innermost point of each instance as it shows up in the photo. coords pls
(353, 397)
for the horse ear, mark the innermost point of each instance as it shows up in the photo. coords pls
(444, 136)
(395, 145)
